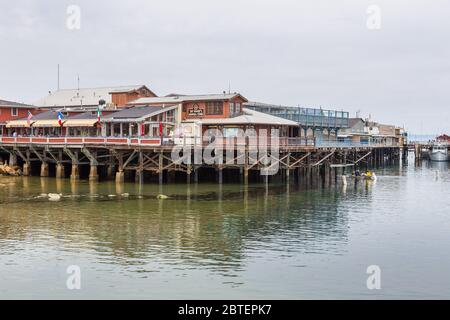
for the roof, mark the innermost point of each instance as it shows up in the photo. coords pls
(136, 113)
(174, 99)
(17, 124)
(84, 116)
(268, 105)
(353, 121)
(6, 103)
(133, 113)
(50, 119)
(83, 96)
(443, 137)
(252, 117)
(47, 115)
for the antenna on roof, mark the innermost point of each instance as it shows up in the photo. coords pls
(58, 78)
(229, 87)
(78, 82)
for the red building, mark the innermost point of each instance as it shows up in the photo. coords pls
(443, 138)
(224, 112)
(10, 111)
(212, 106)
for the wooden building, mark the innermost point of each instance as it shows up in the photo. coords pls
(212, 106)
(218, 111)
(443, 138)
(10, 111)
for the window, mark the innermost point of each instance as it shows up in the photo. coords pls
(14, 112)
(232, 109)
(214, 108)
(238, 108)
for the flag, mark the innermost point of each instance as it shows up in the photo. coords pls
(60, 119)
(161, 129)
(30, 116)
(99, 114)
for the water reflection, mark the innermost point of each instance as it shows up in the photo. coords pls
(206, 226)
(289, 240)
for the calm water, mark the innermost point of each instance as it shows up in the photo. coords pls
(207, 242)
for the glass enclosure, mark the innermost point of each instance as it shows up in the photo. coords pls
(306, 116)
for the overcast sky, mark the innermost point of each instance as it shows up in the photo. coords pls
(308, 53)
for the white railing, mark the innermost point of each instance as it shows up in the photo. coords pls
(284, 142)
(350, 144)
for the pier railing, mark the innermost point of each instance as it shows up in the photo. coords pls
(143, 141)
(350, 144)
(282, 142)
(153, 141)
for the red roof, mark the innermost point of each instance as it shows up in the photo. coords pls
(443, 137)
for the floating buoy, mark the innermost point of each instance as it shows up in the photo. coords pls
(125, 195)
(162, 197)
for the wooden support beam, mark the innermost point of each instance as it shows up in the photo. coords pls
(20, 154)
(323, 159)
(42, 157)
(362, 158)
(71, 155)
(130, 158)
(92, 157)
(300, 160)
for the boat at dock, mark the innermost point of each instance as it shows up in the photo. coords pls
(439, 152)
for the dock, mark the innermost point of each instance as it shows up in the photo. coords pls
(151, 160)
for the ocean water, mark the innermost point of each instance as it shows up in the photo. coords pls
(228, 242)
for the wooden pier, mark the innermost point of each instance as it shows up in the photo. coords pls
(148, 159)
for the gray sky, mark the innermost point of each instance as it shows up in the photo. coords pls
(308, 53)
